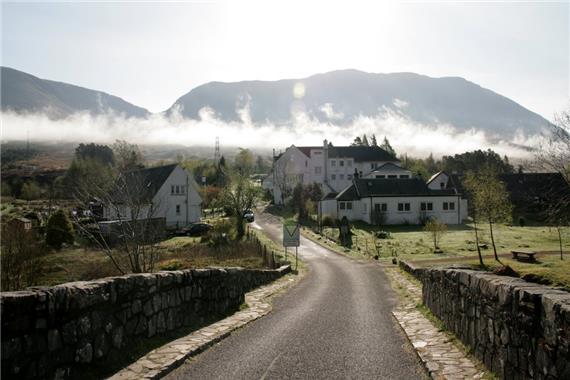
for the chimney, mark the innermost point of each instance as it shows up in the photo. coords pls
(325, 159)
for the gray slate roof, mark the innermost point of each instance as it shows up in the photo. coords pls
(381, 187)
(143, 183)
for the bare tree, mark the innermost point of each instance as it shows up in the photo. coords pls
(240, 196)
(281, 177)
(21, 257)
(436, 229)
(129, 238)
(553, 154)
(490, 200)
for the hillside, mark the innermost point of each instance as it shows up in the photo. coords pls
(339, 97)
(24, 93)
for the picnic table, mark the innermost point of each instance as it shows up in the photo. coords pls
(527, 256)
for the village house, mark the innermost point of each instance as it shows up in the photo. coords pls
(394, 201)
(165, 192)
(332, 167)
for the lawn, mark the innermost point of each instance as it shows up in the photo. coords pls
(84, 263)
(412, 243)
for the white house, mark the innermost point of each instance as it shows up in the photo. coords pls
(394, 201)
(168, 192)
(330, 166)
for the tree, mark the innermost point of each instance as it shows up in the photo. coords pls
(373, 142)
(553, 154)
(282, 178)
(59, 230)
(135, 231)
(298, 201)
(210, 196)
(436, 229)
(128, 157)
(470, 183)
(490, 199)
(387, 147)
(84, 174)
(239, 196)
(97, 152)
(244, 161)
(30, 190)
(365, 140)
(475, 160)
(357, 141)
(21, 257)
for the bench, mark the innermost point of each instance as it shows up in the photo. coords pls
(528, 256)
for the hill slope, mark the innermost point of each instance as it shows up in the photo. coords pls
(339, 97)
(23, 92)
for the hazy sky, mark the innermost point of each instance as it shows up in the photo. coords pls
(151, 53)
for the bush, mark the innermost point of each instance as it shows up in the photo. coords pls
(328, 221)
(219, 235)
(382, 235)
(21, 257)
(59, 230)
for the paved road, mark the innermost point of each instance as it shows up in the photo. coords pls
(336, 323)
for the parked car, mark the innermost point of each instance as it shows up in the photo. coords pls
(198, 229)
(248, 216)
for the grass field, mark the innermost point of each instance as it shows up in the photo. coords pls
(411, 243)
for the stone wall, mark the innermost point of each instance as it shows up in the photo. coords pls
(67, 330)
(520, 330)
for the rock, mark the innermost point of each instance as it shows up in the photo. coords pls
(84, 354)
(54, 340)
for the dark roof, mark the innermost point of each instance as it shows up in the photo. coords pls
(306, 150)
(378, 187)
(145, 183)
(330, 196)
(388, 165)
(361, 153)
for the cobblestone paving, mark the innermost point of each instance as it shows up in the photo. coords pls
(441, 357)
(158, 362)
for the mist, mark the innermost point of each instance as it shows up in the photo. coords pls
(405, 135)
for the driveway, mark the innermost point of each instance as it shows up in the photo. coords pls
(336, 323)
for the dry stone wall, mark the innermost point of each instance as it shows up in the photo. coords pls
(66, 330)
(520, 330)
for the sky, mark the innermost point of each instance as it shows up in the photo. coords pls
(151, 53)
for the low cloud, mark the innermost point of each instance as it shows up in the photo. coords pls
(406, 135)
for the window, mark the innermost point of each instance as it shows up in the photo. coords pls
(177, 189)
(404, 176)
(402, 207)
(381, 207)
(306, 163)
(333, 162)
(448, 206)
(172, 189)
(452, 205)
(426, 206)
(442, 185)
(372, 165)
(349, 176)
(349, 205)
(177, 209)
(182, 189)
(341, 162)
(380, 176)
(392, 176)
(341, 177)
(342, 205)
(364, 208)
(333, 177)
(318, 170)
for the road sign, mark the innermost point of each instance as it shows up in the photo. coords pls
(291, 235)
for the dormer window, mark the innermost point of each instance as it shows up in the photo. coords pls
(442, 185)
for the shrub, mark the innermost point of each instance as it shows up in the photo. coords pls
(59, 230)
(328, 221)
(382, 235)
(21, 257)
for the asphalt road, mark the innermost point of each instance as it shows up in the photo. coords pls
(336, 323)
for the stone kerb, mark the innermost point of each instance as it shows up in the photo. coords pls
(518, 329)
(61, 331)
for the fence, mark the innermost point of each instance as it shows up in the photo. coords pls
(269, 258)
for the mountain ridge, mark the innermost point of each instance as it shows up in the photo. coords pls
(338, 97)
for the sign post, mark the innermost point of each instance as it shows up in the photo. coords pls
(292, 238)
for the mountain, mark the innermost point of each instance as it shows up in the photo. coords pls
(339, 97)
(22, 92)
